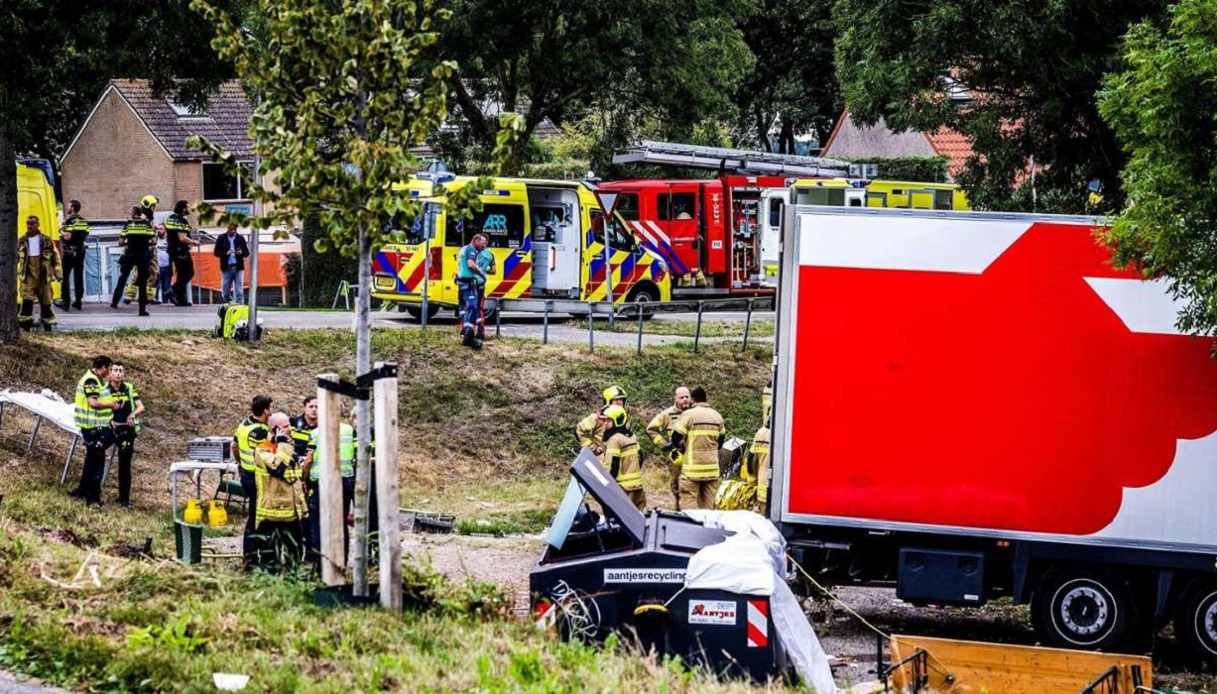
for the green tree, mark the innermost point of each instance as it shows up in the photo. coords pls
(792, 86)
(679, 60)
(1031, 68)
(1162, 103)
(57, 58)
(341, 96)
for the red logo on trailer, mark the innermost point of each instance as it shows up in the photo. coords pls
(1020, 394)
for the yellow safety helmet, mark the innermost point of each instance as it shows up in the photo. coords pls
(148, 201)
(613, 393)
(617, 415)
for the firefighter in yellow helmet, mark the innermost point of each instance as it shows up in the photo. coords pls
(756, 466)
(696, 440)
(590, 430)
(621, 455)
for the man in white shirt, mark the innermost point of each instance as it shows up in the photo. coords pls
(37, 268)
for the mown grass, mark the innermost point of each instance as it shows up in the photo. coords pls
(709, 327)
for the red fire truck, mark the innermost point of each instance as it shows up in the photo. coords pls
(708, 231)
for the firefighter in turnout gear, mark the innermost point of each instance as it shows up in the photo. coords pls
(621, 455)
(72, 237)
(590, 430)
(252, 431)
(756, 467)
(281, 510)
(93, 413)
(697, 438)
(37, 269)
(660, 431)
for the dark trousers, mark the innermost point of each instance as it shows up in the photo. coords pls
(140, 264)
(248, 542)
(472, 295)
(97, 442)
(276, 545)
(124, 438)
(314, 516)
(183, 272)
(73, 273)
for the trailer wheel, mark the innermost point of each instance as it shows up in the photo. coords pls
(1196, 620)
(1082, 610)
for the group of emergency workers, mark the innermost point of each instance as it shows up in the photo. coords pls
(280, 467)
(690, 433)
(41, 261)
(107, 409)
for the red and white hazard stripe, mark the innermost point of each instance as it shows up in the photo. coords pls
(758, 623)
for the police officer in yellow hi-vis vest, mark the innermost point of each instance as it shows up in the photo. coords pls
(621, 455)
(139, 241)
(279, 525)
(756, 466)
(312, 465)
(590, 430)
(697, 438)
(252, 431)
(93, 412)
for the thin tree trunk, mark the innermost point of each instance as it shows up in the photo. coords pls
(8, 240)
(363, 364)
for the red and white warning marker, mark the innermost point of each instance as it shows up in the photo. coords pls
(758, 623)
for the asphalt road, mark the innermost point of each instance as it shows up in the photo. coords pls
(563, 328)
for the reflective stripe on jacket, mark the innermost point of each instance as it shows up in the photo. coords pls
(759, 452)
(250, 432)
(590, 430)
(702, 427)
(621, 453)
(660, 427)
(280, 497)
(87, 416)
(346, 452)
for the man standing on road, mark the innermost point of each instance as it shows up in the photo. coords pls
(93, 412)
(177, 232)
(589, 432)
(696, 440)
(138, 238)
(72, 237)
(252, 431)
(232, 251)
(37, 269)
(471, 281)
(660, 431)
(125, 422)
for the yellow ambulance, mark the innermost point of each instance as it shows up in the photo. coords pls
(548, 239)
(36, 196)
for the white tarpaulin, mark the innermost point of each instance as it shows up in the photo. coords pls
(47, 405)
(744, 564)
(747, 523)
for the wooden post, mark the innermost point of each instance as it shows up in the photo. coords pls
(329, 486)
(384, 395)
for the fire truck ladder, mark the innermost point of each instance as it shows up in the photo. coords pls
(734, 160)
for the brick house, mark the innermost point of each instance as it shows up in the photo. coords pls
(880, 142)
(134, 143)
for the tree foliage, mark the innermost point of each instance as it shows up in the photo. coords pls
(559, 60)
(1032, 69)
(1161, 104)
(792, 87)
(57, 58)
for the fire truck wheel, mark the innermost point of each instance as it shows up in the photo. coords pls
(416, 311)
(1196, 619)
(1085, 610)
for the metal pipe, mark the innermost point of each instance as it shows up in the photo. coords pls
(591, 340)
(639, 307)
(697, 336)
(545, 323)
(498, 317)
(34, 434)
(747, 326)
(426, 270)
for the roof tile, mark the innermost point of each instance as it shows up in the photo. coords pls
(225, 123)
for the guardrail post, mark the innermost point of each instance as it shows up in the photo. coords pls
(639, 307)
(697, 335)
(545, 323)
(591, 340)
(747, 326)
(498, 317)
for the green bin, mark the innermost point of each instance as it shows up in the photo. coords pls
(188, 541)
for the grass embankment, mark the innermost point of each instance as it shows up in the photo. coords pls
(485, 436)
(709, 328)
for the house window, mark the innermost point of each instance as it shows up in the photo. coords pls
(187, 111)
(219, 184)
